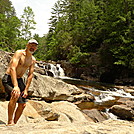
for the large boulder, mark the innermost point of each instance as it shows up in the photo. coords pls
(51, 89)
(44, 110)
(62, 111)
(71, 120)
(123, 112)
(4, 61)
(124, 109)
(39, 111)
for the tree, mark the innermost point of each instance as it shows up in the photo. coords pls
(28, 23)
(71, 27)
(40, 54)
(79, 28)
(9, 25)
(55, 37)
(117, 31)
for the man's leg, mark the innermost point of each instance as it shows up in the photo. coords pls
(21, 101)
(11, 108)
(19, 111)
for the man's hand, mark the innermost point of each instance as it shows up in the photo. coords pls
(15, 93)
(24, 94)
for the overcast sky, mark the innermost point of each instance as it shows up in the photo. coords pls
(42, 11)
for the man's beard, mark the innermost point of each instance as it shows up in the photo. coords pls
(31, 50)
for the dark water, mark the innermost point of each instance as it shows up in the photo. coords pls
(87, 83)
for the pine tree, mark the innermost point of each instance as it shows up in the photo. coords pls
(9, 25)
(28, 23)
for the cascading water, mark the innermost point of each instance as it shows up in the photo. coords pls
(54, 70)
(51, 68)
(111, 95)
(103, 97)
(61, 71)
(57, 71)
(112, 116)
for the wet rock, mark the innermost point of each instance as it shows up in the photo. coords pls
(95, 115)
(123, 112)
(130, 90)
(51, 89)
(84, 101)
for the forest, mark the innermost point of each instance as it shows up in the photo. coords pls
(86, 33)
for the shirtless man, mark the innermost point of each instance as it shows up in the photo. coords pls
(15, 88)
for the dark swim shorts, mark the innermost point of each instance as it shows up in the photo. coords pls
(7, 83)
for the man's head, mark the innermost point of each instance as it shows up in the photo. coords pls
(32, 45)
(32, 41)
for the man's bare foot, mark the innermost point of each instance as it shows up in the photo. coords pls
(10, 123)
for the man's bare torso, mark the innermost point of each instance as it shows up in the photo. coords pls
(24, 63)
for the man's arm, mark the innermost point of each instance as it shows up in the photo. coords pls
(29, 79)
(13, 65)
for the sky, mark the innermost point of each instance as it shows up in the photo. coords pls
(42, 11)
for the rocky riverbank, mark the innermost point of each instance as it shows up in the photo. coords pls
(55, 107)
(38, 118)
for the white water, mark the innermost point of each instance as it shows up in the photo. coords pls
(101, 97)
(112, 95)
(104, 96)
(111, 116)
(55, 69)
(52, 68)
(60, 70)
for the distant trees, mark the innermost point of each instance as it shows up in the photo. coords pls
(41, 51)
(27, 23)
(14, 32)
(9, 25)
(118, 24)
(79, 28)
(74, 25)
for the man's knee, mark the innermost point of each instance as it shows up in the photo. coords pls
(13, 100)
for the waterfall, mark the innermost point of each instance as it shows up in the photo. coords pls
(112, 95)
(61, 71)
(54, 70)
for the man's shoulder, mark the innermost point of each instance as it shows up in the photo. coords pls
(20, 51)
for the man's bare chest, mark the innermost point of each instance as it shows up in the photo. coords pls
(25, 62)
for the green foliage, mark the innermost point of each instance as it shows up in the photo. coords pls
(9, 25)
(11, 38)
(81, 59)
(20, 43)
(28, 23)
(80, 27)
(40, 54)
(124, 55)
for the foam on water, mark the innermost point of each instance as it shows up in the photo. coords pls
(111, 95)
